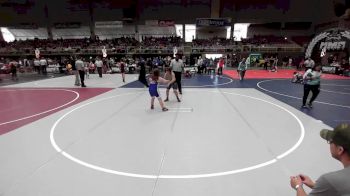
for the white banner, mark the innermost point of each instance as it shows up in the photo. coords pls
(151, 22)
(332, 39)
(109, 24)
(104, 52)
(37, 53)
(333, 45)
(174, 51)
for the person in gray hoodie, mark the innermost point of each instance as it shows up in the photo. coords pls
(79, 64)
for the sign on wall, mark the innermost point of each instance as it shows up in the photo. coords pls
(160, 23)
(37, 53)
(331, 40)
(109, 24)
(213, 22)
(104, 52)
(166, 23)
(67, 25)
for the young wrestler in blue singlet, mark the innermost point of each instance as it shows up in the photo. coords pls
(153, 89)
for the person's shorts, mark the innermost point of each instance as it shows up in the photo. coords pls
(153, 90)
(173, 85)
(154, 93)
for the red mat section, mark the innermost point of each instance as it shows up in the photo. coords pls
(282, 74)
(21, 106)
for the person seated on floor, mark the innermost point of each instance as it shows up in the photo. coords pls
(188, 74)
(297, 77)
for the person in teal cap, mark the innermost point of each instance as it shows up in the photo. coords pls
(335, 183)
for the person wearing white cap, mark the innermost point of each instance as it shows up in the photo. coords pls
(335, 183)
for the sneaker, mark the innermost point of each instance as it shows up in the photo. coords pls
(152, 107)
(310, 105)
(83, 86)
(165, 100)
(178, 100)
(165, 109)
(303, 106)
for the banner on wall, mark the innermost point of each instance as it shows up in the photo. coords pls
(37, 53)
(109, 24)
(104, 52)
(174, 51)
(160, 23)
(151, 22)
(213, 22)
(67, 25)
(25, 25)
(330, 40)
(166, 23)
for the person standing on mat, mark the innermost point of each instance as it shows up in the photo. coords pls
(242, 67)
(221, 64)
(169, 75)
(312, 81)
(177, 66)
(142, 75)
(79, 64)
(122, 69)
(71, 61)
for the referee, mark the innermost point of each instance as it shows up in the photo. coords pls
(177, 66)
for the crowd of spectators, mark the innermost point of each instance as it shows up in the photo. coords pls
(66, 44)
(212, 42)
(161, 42)
(148, 44)
(87, 43)
(302, 40)
(265, 40)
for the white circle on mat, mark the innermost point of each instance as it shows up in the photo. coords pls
(192, 176)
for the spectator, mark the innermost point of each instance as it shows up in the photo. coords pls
(221, 66)
(334, 183)
(309, 64)
(13, 68)
(99, 65)
(43, 65)
(37, 65)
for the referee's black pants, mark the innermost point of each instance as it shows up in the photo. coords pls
(178, 80)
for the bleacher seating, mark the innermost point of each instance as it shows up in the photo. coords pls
(301, 40)
(265, 40)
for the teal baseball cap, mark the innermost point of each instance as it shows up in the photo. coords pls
(340, 135)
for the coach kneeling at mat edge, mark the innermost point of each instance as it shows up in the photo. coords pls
(334, 183)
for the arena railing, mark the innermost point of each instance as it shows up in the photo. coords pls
(98, 51)
(153, 50)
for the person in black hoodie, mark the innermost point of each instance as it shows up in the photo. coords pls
(142, 76)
